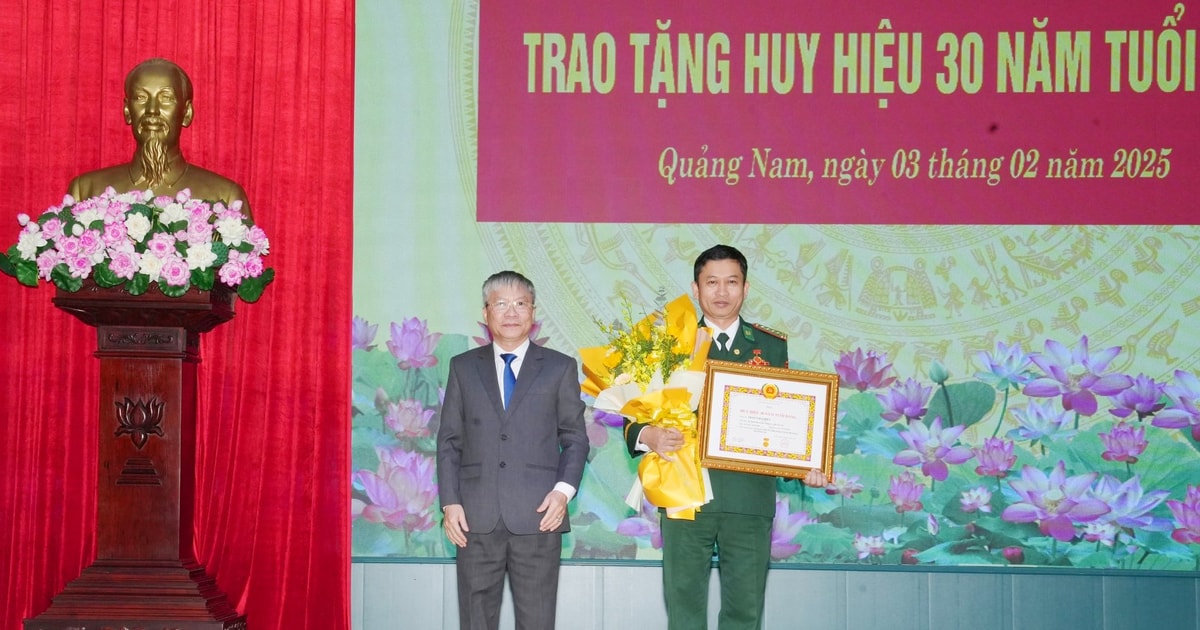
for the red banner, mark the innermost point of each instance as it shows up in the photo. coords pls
(832, 112)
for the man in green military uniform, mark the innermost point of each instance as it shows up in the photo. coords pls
(737, 522)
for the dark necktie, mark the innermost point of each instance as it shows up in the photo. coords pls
(723, 342)
(510, 377)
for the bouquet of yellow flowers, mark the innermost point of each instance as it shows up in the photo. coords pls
(651, 372)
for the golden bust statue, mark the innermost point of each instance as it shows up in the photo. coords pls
(158, 105)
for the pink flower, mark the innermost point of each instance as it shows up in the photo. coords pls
(844, 485)
(413, 345)
(1187, 517)
(69, 246)
(52, 229)
(174, 271)
(79, 265)
(401, 493)
(362, 334)
(1123, 443)
(864, 371)
(907, 400)
(1076, 375)
(932, 448)
(258, 239)
(995, 458)
(233, 271)
(976, 499)
(1056, 502)
(124, 264)
(161, 245)
(868, 546)
(115, 234)
(905, 492)
(644, 525)
(784, 530)
(1184, 410)
(408, 418)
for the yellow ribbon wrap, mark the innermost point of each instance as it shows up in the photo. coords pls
(676, 484)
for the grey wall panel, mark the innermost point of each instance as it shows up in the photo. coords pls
(618, 597)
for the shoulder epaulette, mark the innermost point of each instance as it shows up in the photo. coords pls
(770, 331)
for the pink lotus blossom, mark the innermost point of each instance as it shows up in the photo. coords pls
(161, 245)
(1055, 502)
(1123, 443)
(844, 485)
(868, 546)
(1184, 410)
(52, 229)
(1187, 517)
(174, 271)
(932, 448)
(907, 400)
(79, 265)
(976, 499)
(905, 492)
(995, 458)
(1042, 421)
(864, 371)
(644, 525)
(69, 246)
(124, 264)
(1144, 398)
(401, 493)
(1078, 376)
(47, 261)
(362, 334)
(1006, 367)
(1129, 504)
(413, 345)
(232, 272)
(408, 418)
(784, 530)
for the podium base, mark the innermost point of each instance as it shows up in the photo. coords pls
(140, 595)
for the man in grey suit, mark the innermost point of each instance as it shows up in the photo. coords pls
(510, 455)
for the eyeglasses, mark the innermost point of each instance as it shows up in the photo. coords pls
(501, 306)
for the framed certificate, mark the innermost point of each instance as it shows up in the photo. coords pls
(767, 421)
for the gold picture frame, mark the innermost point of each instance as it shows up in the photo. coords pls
(767, 420)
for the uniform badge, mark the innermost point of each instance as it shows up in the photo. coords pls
(757, 359)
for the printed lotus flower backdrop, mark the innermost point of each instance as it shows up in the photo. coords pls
(1025, 457)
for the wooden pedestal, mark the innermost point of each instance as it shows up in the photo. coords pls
(145, 576)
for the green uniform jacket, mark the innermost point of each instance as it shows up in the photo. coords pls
(737, 492)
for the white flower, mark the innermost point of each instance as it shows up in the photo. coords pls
(23, 219)
(173, 212)
(29, 241)
(150, 265)
(138, 226)
(200, 256)
(233, 231)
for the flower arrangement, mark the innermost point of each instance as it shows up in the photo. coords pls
(133, 240)
(649, 373)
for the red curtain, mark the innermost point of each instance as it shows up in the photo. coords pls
(274, 103)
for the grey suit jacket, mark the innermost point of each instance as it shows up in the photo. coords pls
(499, 462)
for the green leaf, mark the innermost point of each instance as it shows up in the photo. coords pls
(105, 277)
(969, 403)
(252, 288)
(138, 284)
(203, 278)
(171, 290)
(26, 272)
(6, 265)
(62, 278)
